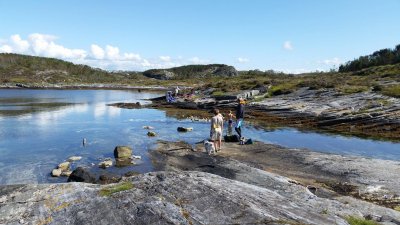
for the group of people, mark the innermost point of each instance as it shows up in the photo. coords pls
(217, 124)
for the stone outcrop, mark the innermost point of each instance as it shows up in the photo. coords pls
(179, 198)
(122, 152)
(191, 71)
(366, 113)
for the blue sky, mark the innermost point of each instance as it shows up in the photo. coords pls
(285, 35)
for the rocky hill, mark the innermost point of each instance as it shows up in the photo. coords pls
(192, 71)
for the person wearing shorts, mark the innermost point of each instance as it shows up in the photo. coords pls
(239, 117)
(217, 125)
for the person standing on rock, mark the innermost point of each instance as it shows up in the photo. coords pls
(217, 126)
(239, 116)
(230, 123)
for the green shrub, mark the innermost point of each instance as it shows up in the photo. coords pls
(352, 89)
(352, 220)
(116, 188)
(393, 91)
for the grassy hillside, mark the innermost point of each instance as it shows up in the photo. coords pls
(38, 70)
(382, 79)
(16, 68)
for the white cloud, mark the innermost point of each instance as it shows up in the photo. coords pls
(242, 60)
(197, 60)
(44, 45)
(6, 49)
(332, 62)
(288, 45)
(112, 52)
(19, 44)
(97, 52)
(146, 63)
(132, 56)
(106, 57)
(165, 58)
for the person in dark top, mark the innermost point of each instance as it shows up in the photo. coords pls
(239, 116)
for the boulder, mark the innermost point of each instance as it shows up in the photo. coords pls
(122, 152)
(184, 129)
(64, 166)
(56, 172)
(81, 174)
(151, 134)
(106, 163)
(74, 158)
(231, 138)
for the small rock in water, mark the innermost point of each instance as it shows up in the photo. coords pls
(136, 157)
(105, 164)
(81, 174)
(64, 166)
(66, 173)
(122, 152)
(148, 127)
(56, 172)
(74, 158)
(151, 134)
(184, 129)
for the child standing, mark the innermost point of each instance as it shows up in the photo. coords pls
(230, 123)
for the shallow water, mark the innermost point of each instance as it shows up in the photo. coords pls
(34, 138)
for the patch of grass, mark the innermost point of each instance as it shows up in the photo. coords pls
(283, 88)
(116, 188)
(352, 220)
(218, 93)
(352, 89)
(397, 208)
(393, 91)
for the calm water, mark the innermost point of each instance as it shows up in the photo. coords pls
(41, 128)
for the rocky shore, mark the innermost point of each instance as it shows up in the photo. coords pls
(242, 184)
(365, 114)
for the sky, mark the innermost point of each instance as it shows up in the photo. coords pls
(292, 36)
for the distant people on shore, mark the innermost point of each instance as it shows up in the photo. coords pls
(169, 97)
(216, 130)
(239, 117)
(177, 91)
